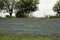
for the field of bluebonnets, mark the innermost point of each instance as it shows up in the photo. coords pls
(29, 29)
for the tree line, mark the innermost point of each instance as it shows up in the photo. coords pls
(23, 7)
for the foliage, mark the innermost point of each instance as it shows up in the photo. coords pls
(7, 5)
(1, 4)
(7, 16)
(20, 15)
(56, 8)
(26, 6)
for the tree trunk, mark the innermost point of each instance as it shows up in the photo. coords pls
(10, 14)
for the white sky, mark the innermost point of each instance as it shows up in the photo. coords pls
(45, 8)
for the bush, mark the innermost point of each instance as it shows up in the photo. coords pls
(7, 16)
(54, 17)
(20, 15)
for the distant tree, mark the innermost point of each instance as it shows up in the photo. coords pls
(56, 8)
(26, 7)
(7, 5)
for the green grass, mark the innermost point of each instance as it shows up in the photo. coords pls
(26, 37)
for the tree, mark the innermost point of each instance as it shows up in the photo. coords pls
(7, 5)
(25, 7)
(56, 8)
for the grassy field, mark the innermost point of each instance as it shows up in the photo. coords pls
(25, 37)
(29, 26)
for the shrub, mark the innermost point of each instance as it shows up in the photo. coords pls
(7, 16)
(20, 15)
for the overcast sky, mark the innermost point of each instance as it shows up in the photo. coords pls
(45, 8)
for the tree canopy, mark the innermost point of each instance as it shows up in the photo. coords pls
(7, 5)
(26, 6)
(1, 4)
(56, 8)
